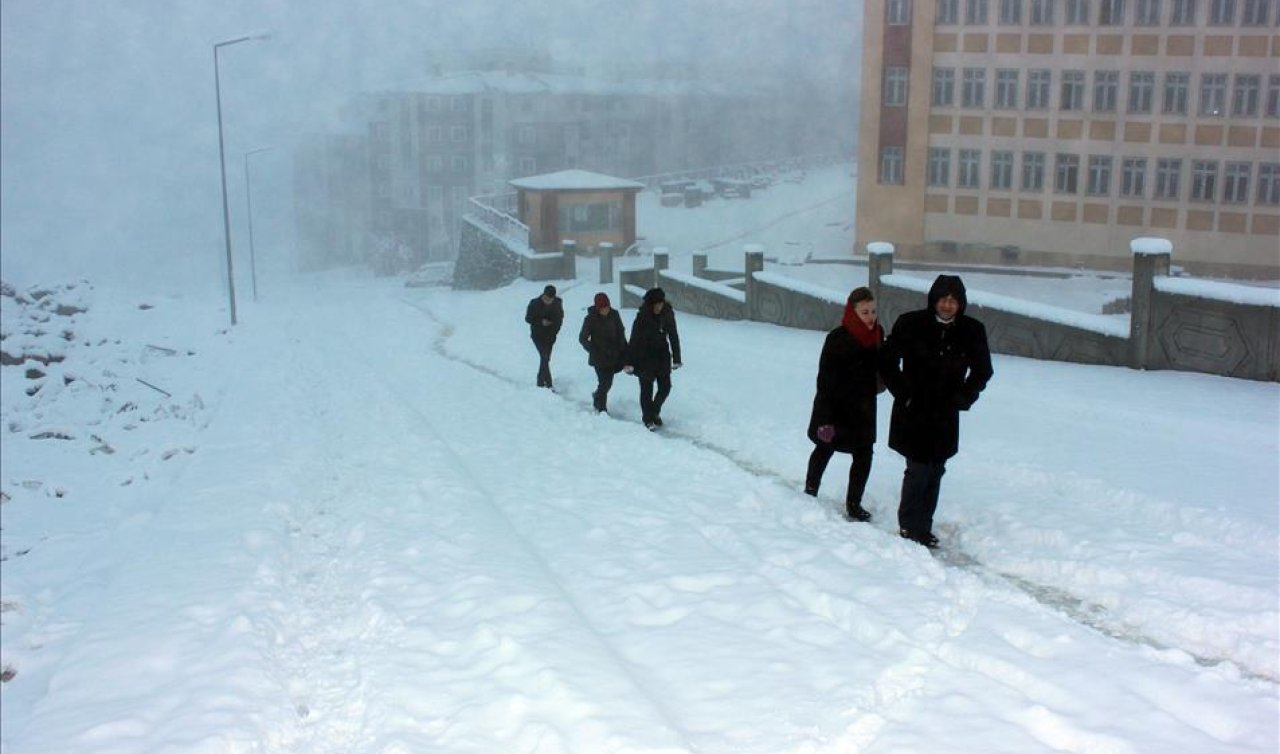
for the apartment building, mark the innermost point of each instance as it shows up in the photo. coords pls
(435, 143)
(1055, 131)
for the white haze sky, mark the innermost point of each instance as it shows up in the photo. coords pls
(109, 157)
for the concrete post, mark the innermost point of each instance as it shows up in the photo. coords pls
(753, 262)
(606, 262)
(570, 250)
(1150, 260)
(879, 264)
(699, 265)
(661, 261)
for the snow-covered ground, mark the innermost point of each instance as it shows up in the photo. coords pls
(353, 524)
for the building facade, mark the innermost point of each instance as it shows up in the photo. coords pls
(1055, 131)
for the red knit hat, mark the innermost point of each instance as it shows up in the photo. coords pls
(601, 300)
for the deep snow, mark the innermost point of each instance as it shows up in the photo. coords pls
(355, 525)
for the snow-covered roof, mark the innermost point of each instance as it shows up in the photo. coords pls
(574, 180)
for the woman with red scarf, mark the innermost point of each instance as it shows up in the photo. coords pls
(844, 409)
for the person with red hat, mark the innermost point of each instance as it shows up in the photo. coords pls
(605, 341)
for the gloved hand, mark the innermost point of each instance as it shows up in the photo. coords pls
(546, 323)
(676, 366)
(826, 433)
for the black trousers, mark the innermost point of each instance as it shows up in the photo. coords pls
(651, 403)
(544, 360)
(604, 380)
(859, 471)
(920, 486)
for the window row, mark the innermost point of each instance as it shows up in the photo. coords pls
(1217, 94)
(1094, 12)
(1171, 179)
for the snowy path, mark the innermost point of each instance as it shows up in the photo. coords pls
(388, 541)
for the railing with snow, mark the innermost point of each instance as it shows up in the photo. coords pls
(503, 224)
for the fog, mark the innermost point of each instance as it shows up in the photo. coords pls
(109, 156)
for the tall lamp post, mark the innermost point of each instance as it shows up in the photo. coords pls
(222, 161)
(248, 193)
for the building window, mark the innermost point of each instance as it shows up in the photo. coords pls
(1038, 89)
(1099, 176)
(526, 135)
(1006, 89)
(1256, 13)
(457, 134)
(898, 12)
(969, 176)
(939, 166)
(1105, 86)
(528, 166)
(1110, 12)
(1077, 13)
(891, 165)
(1033, 171)
(1183, 13)
(1002, 170)
(458, 163)
(1213, 94)
(948, 13)
(1042, 12)
(1176, 88)
(975, 12)
(1133, 177)
(1011, 12)
(1142, 87)
(1072, 91)
(895, 86)
(435, 164)
(1146, 13)
(1269, 183)
(458, 104)
(595, 217)
(1222, 12)
(944, 87)
(1244, 99)
(1066, 175)
(1235, 184)
(1273, 96)
(1204, 180)
(973, 91)
(1168, 174)
(435, 134)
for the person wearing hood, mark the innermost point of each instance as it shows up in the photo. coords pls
(544, 314)
(653, 353)
(844, 409)
(605, 341)
(935, 362)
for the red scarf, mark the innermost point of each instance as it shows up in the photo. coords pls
(867, 337)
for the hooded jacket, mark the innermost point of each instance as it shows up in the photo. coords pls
(934, 370)
(651, 334)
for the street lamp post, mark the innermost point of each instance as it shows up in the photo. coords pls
(222, 161)
(248, 193)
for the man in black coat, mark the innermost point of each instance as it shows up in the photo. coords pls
(544, 314)
(935, 363)
(605, 340)
(653, 330)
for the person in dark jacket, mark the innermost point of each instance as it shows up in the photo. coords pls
(654, 352)
(844, 408)
(935, 362)
(605, 340)
(544, 314)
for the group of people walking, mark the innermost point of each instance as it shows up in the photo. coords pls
(935, 362)
(651, 353)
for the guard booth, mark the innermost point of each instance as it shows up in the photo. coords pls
(580, 206)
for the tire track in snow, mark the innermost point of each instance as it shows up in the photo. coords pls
(1078, 609)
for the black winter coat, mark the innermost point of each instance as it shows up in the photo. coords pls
(934, 371)
(650, 336)
(605, 339)
(552, 313)
(848, 382)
